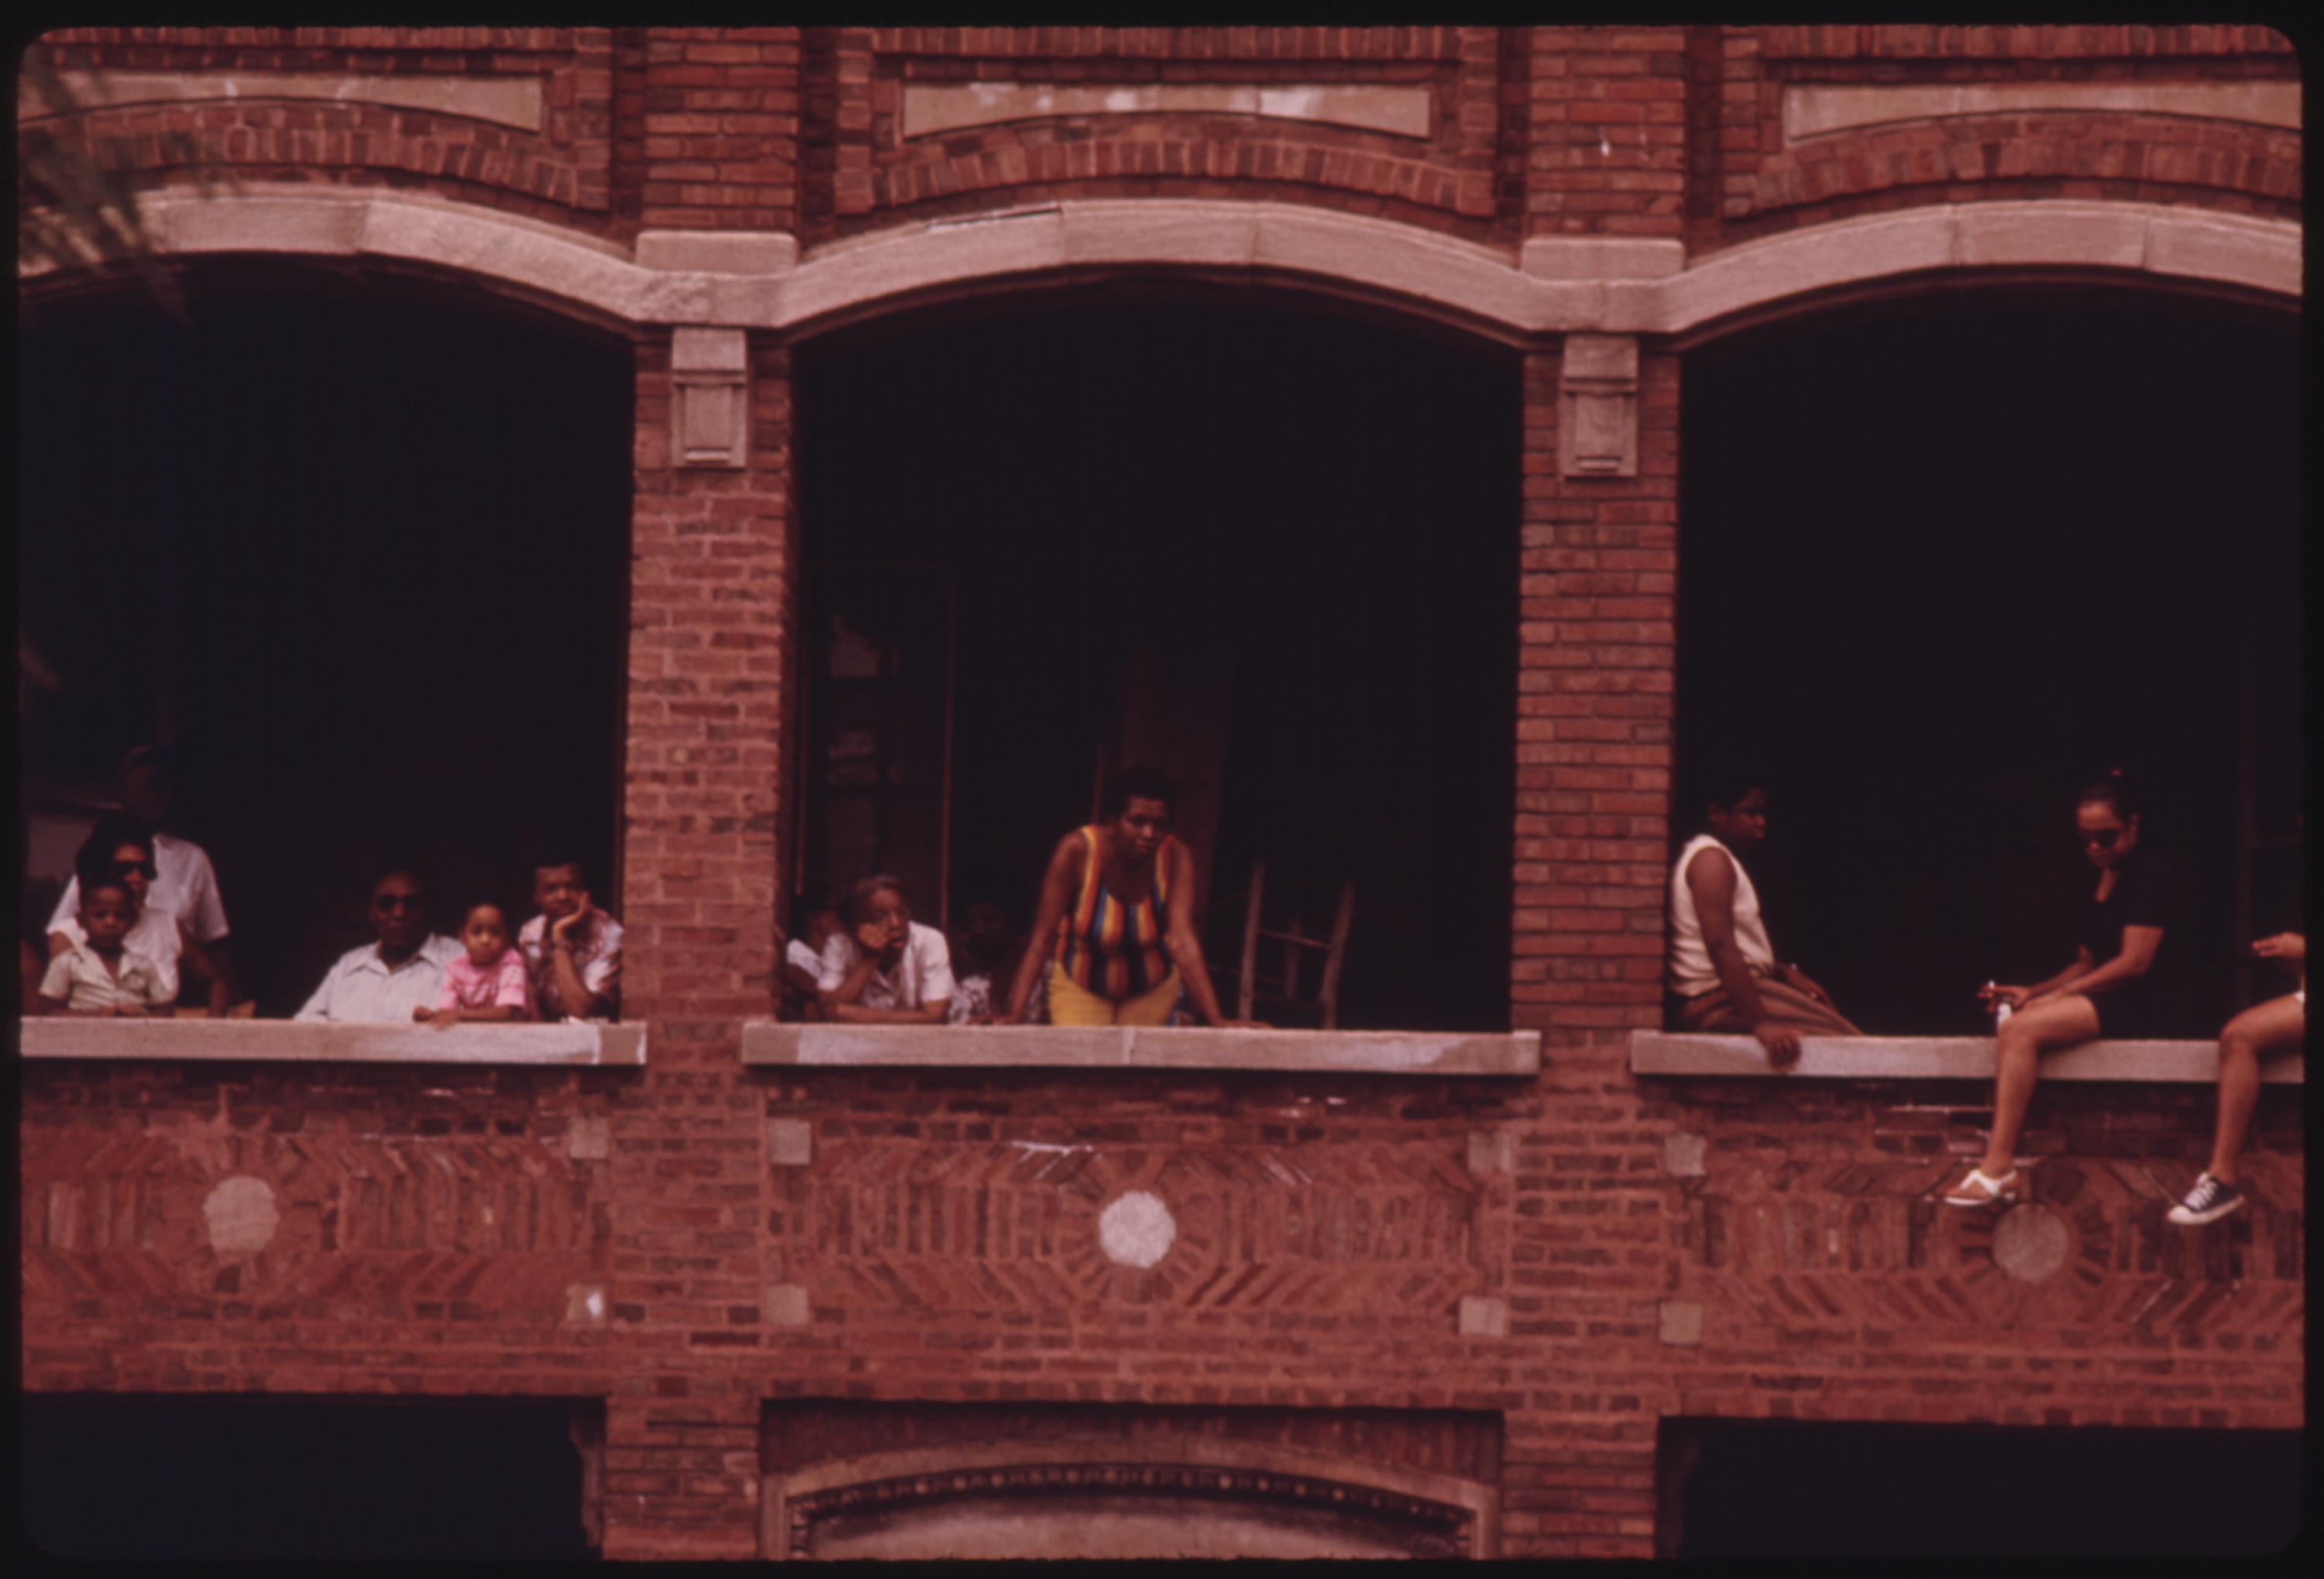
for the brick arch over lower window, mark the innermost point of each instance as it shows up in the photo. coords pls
(1037, 1499)
(1554, 285)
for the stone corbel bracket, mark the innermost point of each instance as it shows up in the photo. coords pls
(1598, 407)
(710, 398)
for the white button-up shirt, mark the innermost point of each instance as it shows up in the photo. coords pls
(361, 989)
(596, 956)
(921, 977)
(155, 936)
(79, 978)
(183, 884)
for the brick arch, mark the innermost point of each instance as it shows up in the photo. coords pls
(496, 116)
(1805, 125)
(1449, 1516)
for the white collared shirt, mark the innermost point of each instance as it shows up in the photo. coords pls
(597, 954)
(923, 976)
(79, 977)
(360, 989)
(182, 883)
(155, 936)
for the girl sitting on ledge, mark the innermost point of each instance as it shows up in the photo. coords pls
(2275, 1026)
(2107, 991)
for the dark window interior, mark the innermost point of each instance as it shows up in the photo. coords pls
(152, 1476)
(362, 551)
(1942, 564)
(1271, 552)
(1793, 1488)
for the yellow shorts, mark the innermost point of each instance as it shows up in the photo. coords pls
(1071, 1003)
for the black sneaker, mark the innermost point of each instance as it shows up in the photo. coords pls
(2208, 1202)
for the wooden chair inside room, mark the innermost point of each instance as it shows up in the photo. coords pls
(1275, 967)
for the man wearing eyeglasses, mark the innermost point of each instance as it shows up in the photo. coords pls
(382, 982)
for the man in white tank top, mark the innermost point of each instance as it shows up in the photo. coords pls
(1723, 971)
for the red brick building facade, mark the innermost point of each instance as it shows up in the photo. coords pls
(1463, 1302)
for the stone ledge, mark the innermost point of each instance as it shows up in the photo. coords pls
(1554, 285)
(1940, 1058)
(1053, 1047)
(287, 1041)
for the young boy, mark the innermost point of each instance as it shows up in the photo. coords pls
(102, 976)
(572, 948)
(487, 983)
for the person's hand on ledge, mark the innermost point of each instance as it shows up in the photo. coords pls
(1782, 1042)
(1242, 1025)
(2287, 946)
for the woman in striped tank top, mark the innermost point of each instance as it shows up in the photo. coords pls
(1115, 930)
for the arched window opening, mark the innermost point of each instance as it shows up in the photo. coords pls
(1941, 564)
(1272, 553)
(360, 551)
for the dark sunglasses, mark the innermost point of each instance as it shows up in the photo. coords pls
(145, 868)
(2104, 838)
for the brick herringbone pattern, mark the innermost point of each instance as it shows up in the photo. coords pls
(1818, 1242)
(369, 1226)
(895, 1223)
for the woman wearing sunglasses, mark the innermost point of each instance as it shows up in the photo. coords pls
(124, 848)
(2107, 991)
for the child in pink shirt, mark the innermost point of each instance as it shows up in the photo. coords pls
(486, 983)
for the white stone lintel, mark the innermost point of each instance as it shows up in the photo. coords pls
(1355, 1052)
(705, 251)
(1939, 1057)
(1554, 285)
(277, 1041)
(1603, 257)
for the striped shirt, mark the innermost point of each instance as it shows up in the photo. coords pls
(1112, 946)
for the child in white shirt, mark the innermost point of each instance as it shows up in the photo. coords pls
(103, 977)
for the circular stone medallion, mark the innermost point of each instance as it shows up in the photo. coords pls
(2032, 1243)
(240, 1215)
(1137, 1229)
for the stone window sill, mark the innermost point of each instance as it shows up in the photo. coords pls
(1940, 1058)
(1053, 1047)
(286, 1041)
